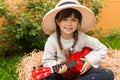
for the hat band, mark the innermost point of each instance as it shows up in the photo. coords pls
(67, 3)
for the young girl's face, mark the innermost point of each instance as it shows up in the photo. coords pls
(68, 25)
(68, 21)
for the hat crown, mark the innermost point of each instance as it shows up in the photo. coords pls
(67, 2)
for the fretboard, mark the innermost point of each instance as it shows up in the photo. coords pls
(68, 64)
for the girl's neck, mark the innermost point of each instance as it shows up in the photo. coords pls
(67, 36)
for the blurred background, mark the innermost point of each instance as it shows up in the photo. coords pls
(20, 22)
(109, 18)
(21, 33)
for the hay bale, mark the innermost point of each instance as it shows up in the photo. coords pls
(27, 63)
(111, 61)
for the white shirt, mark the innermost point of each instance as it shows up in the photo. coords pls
(52, 49)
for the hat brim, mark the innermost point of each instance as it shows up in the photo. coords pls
(88, 18)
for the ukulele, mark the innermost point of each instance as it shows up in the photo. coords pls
(74, 63)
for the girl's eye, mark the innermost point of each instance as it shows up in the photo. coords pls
(64, 19)
(74, 19)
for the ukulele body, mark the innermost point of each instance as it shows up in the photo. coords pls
(76, 56)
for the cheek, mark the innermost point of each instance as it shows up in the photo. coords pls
(61, 24)
(76, 25)
(75, 28)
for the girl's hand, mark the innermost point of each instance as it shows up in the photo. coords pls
(63, 69)
(86, 66)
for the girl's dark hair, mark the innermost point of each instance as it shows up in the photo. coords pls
(65, 14)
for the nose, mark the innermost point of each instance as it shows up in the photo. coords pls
(69, 22)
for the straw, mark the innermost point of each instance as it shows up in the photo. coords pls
(27, 63)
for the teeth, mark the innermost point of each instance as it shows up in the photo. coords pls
(68, 28)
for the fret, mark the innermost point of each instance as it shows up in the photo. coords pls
(55, 68)
(68, 64)
(71, 64)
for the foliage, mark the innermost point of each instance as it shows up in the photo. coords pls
(3, 8)
(94, 5)
(22, 31)
(112, 39)
(96, 33)
(8, 67)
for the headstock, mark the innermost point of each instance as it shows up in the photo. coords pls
(40, 73)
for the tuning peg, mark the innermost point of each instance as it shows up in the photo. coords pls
(41, 66)
(34, 67)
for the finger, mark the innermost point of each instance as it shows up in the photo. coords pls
(59, 71)
(65, 67)
(83, 57)
(82, 60)
(62, 69)
(84, 69)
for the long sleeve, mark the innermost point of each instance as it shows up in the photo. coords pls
(98, 53)
(49, 58)
(52, 53)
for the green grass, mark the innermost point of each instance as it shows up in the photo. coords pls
(112, 40)
(8, 67)
(114, 43)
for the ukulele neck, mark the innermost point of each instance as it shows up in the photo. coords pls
(68, 64)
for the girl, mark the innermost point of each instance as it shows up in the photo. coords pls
(66, 24)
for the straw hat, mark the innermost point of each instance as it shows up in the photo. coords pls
(88, 17)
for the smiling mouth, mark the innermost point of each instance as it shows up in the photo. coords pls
(67, 28)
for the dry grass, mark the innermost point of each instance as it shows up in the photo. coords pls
(27, 63)
(111, 61)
